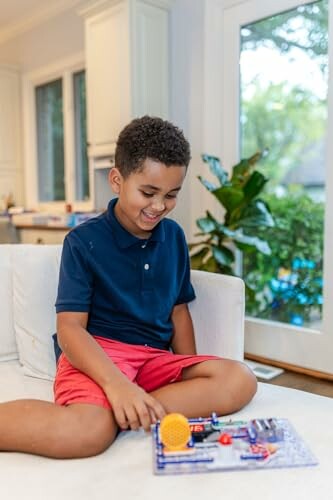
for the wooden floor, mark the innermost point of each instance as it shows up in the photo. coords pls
(303, 383)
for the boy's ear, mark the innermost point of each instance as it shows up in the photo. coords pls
(115, 179)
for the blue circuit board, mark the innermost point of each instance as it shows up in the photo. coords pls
(220, 445)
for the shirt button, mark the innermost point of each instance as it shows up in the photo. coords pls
(144, 246)
(146, 266)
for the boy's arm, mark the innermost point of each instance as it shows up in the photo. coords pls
(82, 351)
(183, 341)
(131, 405)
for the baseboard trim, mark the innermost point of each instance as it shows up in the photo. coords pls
(290, 367)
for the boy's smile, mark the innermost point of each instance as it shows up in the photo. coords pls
(146, 195)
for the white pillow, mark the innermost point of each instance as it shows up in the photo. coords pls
(8, 347)
(35, 282)
(218, 314)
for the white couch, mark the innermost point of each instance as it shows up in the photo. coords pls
(28, 282)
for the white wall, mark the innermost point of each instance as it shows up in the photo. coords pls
(196, 98)
(188, 105)
(186, 95)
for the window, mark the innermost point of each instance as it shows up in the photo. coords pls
(50, 141)
(284, 69)
(81, 159)
(56, 139)
(287, 339)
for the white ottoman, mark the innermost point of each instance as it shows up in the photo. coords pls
(124, 471)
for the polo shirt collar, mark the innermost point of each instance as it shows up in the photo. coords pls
(125, 239)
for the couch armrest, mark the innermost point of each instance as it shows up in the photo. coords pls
(218, 314)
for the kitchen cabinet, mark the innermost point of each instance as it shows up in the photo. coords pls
(42, 235)
(11, 172)
(127, 58)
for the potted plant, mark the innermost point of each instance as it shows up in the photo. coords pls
(244, 213)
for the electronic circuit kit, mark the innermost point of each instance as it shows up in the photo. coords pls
(182, 445)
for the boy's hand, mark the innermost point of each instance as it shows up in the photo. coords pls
(132, 406)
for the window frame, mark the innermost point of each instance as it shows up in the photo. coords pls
(297, 346)
(64, 69)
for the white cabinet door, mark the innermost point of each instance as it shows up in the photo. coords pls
(150, 60)
(108, 76)
(42, 236)
(127, 67)
(11, 175)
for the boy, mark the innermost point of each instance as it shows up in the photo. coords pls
(122, 305)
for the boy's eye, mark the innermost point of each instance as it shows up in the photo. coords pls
(150, 195)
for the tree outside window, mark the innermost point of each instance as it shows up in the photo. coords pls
(284, 68)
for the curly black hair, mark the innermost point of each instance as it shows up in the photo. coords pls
(153, 138)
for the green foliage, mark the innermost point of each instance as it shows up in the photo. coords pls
(288, 284)
(286, 121)
(282, 257)
(287, 118)
(278, 31)
(244, 214)
(291, 121)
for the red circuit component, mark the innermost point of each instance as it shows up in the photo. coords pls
(260, 449)
(197, 427)
(225, 439)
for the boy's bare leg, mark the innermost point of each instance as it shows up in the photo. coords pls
(82, 430)
(223, 386)
(43, 428)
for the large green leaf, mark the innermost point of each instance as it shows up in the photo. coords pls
(243, 210)
(206, 224)
(256, 214)
(208, 185)
(229, 197)
(210, 265)
(241, 171)
(250, 292)
(211, 217)
(197, 258)
(254, 185)
(243, 241)
(247, 242)
(216, 168)
(225, 231)
(223, 255)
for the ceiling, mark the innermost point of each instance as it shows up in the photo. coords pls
(14, 11)
(17, 16)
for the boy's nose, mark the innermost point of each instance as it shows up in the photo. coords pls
(158, 205)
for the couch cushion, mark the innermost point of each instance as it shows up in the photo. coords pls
(35, 279)
(218, 314)
(8, 347)
(219, 330)
(15, 385)
(124, 471)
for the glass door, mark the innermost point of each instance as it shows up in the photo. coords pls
(278, 92)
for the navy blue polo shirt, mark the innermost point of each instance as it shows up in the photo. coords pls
(128, 285)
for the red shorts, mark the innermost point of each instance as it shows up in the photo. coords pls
(148, 367)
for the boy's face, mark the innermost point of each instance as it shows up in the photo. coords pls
(146, 196)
